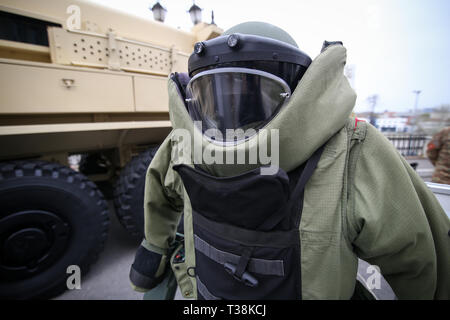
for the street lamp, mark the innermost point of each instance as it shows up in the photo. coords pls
(373, 99)
(415, 115)
(417, 93)
(159, 12)
(212, 18)
(196, 14)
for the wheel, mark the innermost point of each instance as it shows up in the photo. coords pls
(51, 217)
(129, 193)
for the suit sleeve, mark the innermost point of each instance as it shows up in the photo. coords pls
(163, 202)
(397, 222)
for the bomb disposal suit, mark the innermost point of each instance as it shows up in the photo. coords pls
(280, 188)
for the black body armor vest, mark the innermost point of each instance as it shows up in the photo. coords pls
(246, 232)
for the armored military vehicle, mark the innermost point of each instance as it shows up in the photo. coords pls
(78, 79)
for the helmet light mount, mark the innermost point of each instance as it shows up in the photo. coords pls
(252, 51)
(233, 40)
(199, 48)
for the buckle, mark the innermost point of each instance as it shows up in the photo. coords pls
(246, 277)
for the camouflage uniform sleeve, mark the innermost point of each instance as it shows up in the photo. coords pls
(398, 224)
(433, 147)
(442, 161)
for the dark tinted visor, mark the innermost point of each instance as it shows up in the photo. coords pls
(229, 101)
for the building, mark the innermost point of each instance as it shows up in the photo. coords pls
(393, 124)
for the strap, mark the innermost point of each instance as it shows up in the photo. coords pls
(243, 262)
(204, 292)
(273, 239)
(306, 174)
(145, 282)
(255, 265)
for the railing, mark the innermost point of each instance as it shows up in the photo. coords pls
(408, 145)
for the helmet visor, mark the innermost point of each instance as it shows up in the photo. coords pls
(228, 99)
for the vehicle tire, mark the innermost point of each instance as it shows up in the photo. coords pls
(51, 217)
(129, 193)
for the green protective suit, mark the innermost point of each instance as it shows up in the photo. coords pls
(363, 200)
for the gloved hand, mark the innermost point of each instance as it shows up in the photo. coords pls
(148, 269)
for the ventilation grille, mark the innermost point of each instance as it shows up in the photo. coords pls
(96, 50)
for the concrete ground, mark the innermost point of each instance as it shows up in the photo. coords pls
(108, 277)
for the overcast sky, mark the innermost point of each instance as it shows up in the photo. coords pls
(395, 46)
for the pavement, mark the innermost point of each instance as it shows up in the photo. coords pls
(108, 277)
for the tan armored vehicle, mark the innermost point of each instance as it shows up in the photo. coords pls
(77, 79)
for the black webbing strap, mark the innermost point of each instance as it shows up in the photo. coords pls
(142, 281)
(250, 238)
(255, 265)
(308, 171)
(204, 292)
(243, 262)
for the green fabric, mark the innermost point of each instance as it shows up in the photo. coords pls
(310, 118)
(397, 223)
(162, 203)
(181, 274)
(328, 263)
(363, 200)
(153, 248)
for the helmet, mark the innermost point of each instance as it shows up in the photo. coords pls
(242, 79)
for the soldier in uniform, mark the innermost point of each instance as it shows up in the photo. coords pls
(438, 151)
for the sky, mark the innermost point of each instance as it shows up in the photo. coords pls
(393, 46)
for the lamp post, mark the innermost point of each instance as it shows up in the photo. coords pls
(416, 103)
(417, 93)
(196, 13)
(212, 18)
(159, 12)
(373, 99)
